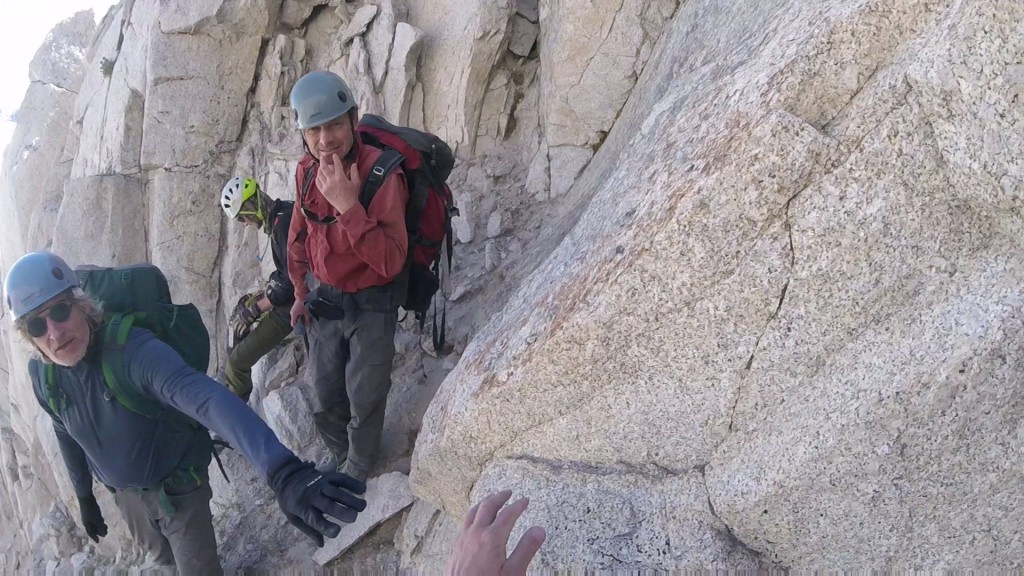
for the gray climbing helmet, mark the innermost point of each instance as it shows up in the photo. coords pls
(34, 279)
(319, 97)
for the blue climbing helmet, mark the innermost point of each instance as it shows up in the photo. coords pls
(34, 279)
(319, 97)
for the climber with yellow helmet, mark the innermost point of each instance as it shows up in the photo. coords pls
(260, 320)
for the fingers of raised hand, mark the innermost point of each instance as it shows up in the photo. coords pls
(330, 166)
(470, 516)
(488, 508)
(319, 506)
(96, 530)
(519, 560)
(507, 517)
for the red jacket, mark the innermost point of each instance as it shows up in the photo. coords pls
(363, 248)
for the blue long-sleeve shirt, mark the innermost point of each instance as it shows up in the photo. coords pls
(124, 449)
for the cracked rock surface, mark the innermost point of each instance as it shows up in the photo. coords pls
(797, 266)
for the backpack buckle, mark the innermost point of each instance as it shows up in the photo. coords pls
(378, 171)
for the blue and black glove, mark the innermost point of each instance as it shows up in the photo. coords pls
(92, 518)
(306, 495)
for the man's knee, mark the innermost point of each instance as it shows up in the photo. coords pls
(237, 381)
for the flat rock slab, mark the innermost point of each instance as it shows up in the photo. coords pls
(359, 22)
(386, 496)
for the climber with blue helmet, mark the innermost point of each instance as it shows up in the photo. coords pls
(154, 461)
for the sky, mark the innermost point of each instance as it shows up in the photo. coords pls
(24, 25)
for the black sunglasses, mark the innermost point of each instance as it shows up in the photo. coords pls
(312, 216)
(36, 325)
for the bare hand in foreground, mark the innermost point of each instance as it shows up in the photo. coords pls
(482, 540)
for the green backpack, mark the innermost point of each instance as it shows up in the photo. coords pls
(139, 296)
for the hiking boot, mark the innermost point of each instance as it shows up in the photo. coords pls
(332, 464)
(349, 469)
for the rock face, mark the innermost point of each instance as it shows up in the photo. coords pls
(591, 56)
(35, 167)
(36, 504)
(620, 517)
(464, 42)
(736, 284)
(797, 273)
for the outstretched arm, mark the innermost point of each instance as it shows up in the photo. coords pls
(305, 495)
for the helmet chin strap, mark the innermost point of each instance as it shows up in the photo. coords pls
(261, 255)
(261, 212)
(264, 224)
(353, 152)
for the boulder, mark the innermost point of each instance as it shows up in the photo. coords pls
(289, 414)
(426, 538)
(110, 210)
(797, 273)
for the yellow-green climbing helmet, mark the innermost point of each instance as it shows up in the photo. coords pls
(234, 195)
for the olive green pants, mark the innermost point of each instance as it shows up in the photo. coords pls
(271, 330)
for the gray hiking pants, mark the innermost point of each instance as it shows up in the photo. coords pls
(183, 537)
(350, 368)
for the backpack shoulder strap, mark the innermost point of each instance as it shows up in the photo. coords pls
(51, 393)
(382, 168)
(115, 336)
(307, 182)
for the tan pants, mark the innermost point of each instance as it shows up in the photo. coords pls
(183, 537)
